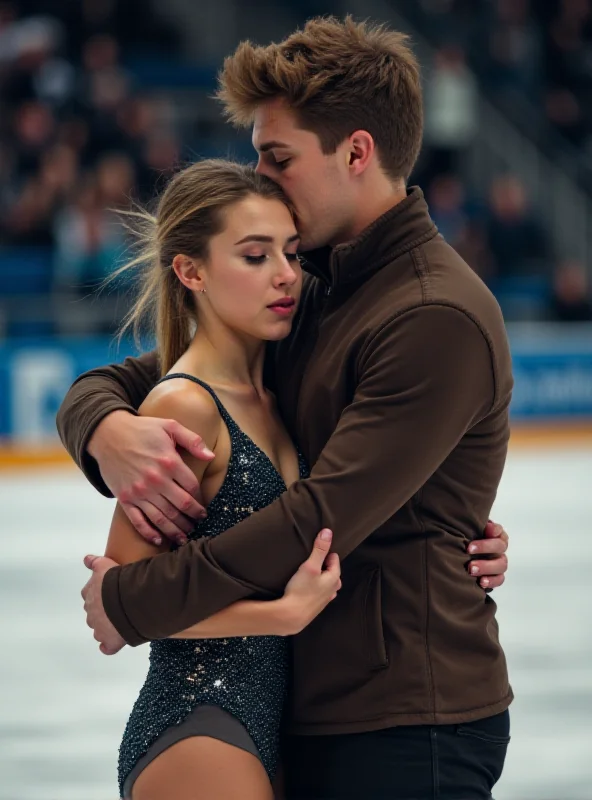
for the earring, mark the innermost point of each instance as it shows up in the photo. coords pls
(202, 291)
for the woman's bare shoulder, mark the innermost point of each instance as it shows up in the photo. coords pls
(185, 402)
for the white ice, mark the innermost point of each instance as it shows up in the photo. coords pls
(63, 705)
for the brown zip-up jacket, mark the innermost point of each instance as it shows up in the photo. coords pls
(395, 381)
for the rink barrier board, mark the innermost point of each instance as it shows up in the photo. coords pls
(576, 436)
(552, 368)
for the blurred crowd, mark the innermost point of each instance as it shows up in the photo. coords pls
(78, 137)
(532, 57)
(533, 60)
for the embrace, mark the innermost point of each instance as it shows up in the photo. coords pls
(306, 465)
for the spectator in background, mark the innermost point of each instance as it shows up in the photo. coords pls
(514, 48)
(516, 240)
(451, 109)
(104, 91)
(159, 160)
(459, 224)
(89, 237)
(446, 199)
(568, 42)
(29, 220)
(564, 112)
(571, 299)
(58, 172)
(33, 129)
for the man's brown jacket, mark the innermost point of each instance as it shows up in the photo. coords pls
(395, 382)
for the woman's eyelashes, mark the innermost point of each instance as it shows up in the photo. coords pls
(255, 259)
(281, 165)
(293, 258)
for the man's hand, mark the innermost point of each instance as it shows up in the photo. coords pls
(104, 632)
(313, 586)
(491, 570)
(140, 464)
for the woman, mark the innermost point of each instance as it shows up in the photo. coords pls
(223, 278)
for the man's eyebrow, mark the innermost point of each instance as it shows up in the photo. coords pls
(265, 239)
(270, 145)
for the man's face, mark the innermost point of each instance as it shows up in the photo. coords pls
(318, 185)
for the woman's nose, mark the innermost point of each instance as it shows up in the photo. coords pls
(288, 274)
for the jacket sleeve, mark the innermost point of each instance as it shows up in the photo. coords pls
(93, 396)
(426, 376)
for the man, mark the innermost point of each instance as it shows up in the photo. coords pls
(396, 382)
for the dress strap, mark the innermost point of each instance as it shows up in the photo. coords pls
(223, 412)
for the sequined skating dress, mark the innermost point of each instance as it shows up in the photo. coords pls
(244, 676)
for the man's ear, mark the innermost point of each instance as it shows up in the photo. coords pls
(360, 151)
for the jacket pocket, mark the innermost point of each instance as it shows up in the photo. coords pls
(373, 633)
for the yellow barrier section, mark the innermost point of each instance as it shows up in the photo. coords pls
(17, 457)
(13, 457)
(555, 435)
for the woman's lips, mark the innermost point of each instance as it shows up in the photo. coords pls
(283, 307)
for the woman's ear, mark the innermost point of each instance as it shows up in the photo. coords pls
(189, 271)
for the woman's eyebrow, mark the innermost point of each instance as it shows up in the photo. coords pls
(254, 237)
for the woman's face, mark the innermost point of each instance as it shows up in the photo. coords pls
(253, 278)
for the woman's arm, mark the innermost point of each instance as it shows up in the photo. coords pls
(311, 588)
(306, 594)
(245, 618)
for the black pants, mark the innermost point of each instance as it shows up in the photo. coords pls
(424, 762)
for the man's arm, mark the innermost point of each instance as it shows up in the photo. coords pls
(426, 376)
(139, 463)
(95, 395)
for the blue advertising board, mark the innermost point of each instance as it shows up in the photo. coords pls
(34, 379)
(552, 369)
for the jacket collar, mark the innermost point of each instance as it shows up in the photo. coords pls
(400, 229)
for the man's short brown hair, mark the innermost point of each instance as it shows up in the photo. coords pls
(339, 77)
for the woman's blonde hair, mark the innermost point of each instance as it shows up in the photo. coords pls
(189, 213)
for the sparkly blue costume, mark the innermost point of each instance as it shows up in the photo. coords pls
(245, 676)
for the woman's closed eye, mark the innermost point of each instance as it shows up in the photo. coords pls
(281, 165)
(254, 260)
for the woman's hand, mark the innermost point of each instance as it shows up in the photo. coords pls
(312, 587)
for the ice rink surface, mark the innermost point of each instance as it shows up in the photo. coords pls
(63, 705)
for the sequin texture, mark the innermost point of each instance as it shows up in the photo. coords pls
(245, 676)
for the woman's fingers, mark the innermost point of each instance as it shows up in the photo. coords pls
(333, 564)
(322, 544)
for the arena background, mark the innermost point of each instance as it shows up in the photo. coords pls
(99, 102)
